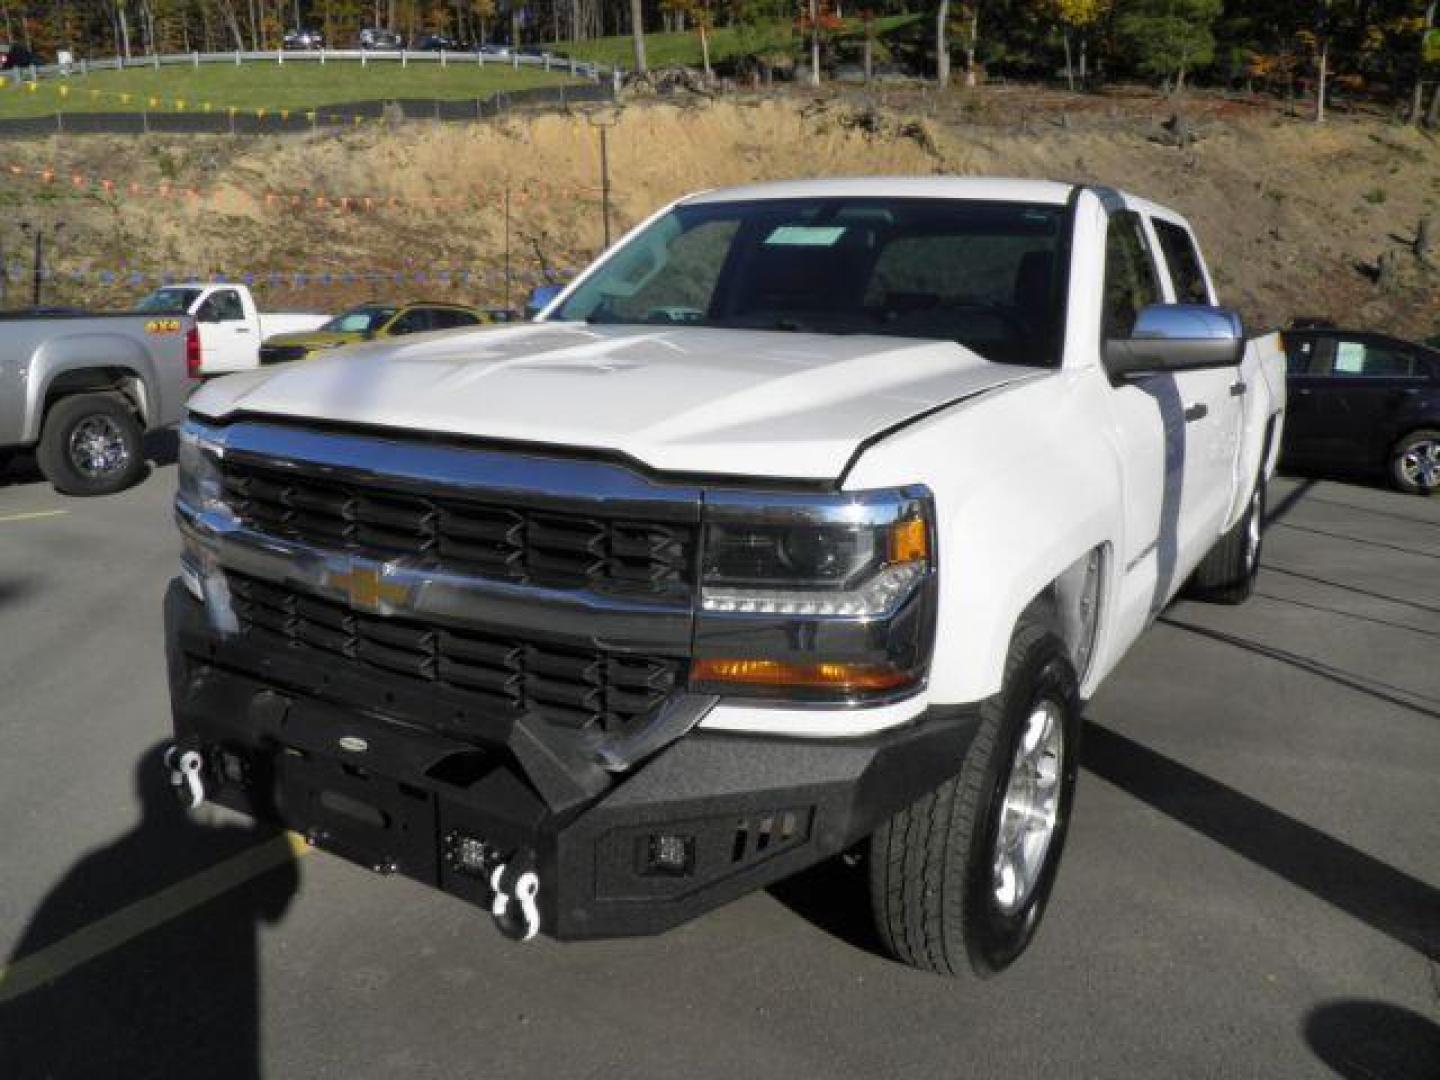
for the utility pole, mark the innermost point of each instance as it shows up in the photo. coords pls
(605, 181)
(507, 247)
(605, 119)
(37, 273)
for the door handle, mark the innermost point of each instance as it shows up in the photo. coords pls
(1198, 411)
(1303, 391)
(242, 329)
(1237, 389)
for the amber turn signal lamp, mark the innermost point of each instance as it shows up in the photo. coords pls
(909, 541)
(778, 673)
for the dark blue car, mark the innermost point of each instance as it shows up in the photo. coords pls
(1363, 402)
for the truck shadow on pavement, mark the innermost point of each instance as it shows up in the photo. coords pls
(142, 961)
(833, 896)
(1362, 1040)
(1388, 900)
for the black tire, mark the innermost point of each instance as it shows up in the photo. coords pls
(1415, 463)
(1228, 572)
(932, 865)
(71, 461)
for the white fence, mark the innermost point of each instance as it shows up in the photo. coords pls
(365, 57)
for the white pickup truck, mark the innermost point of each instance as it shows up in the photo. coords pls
(802, 523)
(232, 327)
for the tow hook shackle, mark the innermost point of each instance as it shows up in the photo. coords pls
(516, 885)
(186, 767)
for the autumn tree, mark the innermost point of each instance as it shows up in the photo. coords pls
(1078, 20)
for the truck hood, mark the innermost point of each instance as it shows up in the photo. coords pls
(744, 403)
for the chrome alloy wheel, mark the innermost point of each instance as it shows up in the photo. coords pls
(97, 447)
(1420, 465)
(1031, 808)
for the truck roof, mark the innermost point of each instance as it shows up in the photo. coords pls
(989, 188)
(934, 187)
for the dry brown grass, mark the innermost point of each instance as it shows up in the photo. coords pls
(1290, 214)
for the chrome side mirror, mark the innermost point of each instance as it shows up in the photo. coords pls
(1177, 337)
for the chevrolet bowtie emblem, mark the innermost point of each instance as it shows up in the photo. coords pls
(367, 589)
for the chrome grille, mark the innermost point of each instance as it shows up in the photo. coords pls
(554, 550)
(575, 688)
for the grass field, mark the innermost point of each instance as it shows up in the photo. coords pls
(662, 50)
(267, 85)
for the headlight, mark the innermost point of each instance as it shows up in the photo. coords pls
(816, 596)
(201, 485)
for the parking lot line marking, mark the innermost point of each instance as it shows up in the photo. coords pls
(33, 515)
(113, 930)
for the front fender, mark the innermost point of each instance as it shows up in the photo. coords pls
(85, 352)
(1025, 485)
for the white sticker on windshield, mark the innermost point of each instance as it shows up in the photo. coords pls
(806, 235)
(1350, 360)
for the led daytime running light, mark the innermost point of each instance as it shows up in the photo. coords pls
(876, 597)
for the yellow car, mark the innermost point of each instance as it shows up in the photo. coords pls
(367, 323)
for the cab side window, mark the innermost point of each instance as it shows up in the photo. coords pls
(1372, 360)
(447, 318)
(414, 321)
(1300, 354)
(1184, 263)
(222, 306)
(1130, 279)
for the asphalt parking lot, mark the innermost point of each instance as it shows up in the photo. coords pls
(1251, 887)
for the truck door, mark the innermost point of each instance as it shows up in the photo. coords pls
(227, 340)
(1150, 437)
(1211, 410)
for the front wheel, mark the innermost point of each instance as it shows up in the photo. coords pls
(1415, 463)
(91, 444)
(961, 877)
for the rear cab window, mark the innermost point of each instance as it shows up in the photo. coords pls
(1182, 259)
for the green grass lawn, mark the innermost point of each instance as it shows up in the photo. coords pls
(268, 85)
(663, 50)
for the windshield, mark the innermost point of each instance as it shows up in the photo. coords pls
(169, 300)
(359, 320)
(988, 275)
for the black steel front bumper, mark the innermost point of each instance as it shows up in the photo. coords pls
(361, 774)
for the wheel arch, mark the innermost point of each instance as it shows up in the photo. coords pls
(68, 366)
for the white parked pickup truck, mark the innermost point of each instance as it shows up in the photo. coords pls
(232, 328)
(800, 524)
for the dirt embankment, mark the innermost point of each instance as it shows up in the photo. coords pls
(1295, 218)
